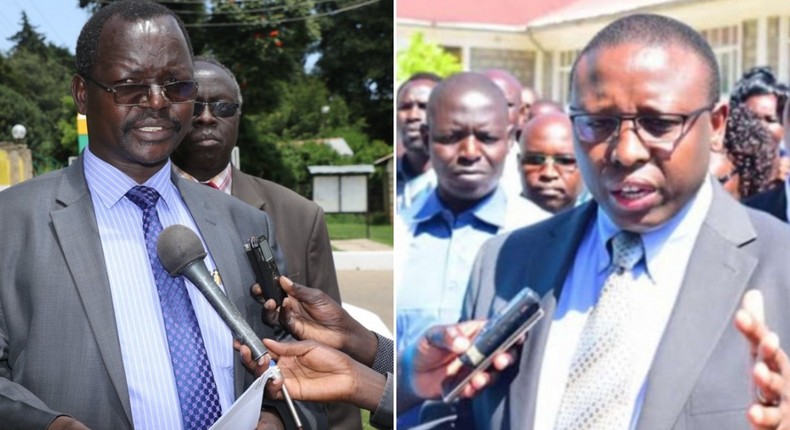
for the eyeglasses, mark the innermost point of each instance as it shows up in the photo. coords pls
(654, 130)
(139, 94)
(218, 109)
(562, 161)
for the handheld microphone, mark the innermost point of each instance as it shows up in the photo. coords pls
(181, 253)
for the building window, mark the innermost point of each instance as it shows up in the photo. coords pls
(726, 47)
(519, 63)
(562, 74)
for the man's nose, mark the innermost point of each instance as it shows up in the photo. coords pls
(205, 116)
(470, 147)
(628, 149)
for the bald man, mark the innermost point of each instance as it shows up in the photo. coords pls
(468, 140)
(541, 107)
(549, 173)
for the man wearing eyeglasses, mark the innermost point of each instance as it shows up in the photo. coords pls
(549, 173)
(94, 333)
(204, 156)
(659, 294)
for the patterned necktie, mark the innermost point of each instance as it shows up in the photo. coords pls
(597, 394)
(197, 389)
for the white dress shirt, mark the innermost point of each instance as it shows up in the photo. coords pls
(138, 314)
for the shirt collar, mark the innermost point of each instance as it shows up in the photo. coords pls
(490, 209)
(680, 230)
(110, 185)
(223, 180)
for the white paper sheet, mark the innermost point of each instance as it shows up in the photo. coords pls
(245, 411)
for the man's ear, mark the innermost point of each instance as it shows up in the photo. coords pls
(79, 93)
(718, 120)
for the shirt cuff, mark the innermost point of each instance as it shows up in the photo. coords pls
(385, 352)
(382, 417)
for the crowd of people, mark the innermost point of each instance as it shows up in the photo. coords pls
(645, 163)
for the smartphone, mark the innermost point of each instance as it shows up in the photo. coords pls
(501, 332)
(266, 273)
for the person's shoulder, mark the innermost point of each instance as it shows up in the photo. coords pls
(766, 198)
(279, 195)
(219, 200)
(768, 227)
(536, 235)
(33, 190)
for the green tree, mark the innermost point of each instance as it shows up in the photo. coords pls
(27, 38)
(356, 60)
(423, 56)
(36, 77)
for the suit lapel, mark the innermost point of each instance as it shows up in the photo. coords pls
(78, 235)
(716, 278)
(224, 246)
(245, 190)
(546, 272)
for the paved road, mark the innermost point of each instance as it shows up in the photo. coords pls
(369, 289)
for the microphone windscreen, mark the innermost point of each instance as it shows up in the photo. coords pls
(178, 246)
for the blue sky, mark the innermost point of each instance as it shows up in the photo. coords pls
(60, 21)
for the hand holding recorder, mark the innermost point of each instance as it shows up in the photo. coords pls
(449, 361)
(310, 314)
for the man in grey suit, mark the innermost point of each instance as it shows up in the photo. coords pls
(644, 106)
(204, 156)
(84, 342)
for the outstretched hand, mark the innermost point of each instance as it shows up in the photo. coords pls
(310, 314)
(318, 373)
(771, 369)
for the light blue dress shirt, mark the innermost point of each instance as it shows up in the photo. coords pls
(659, 275)
(436, 251)
(138, 315)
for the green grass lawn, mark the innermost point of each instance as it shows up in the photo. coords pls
(353, 227)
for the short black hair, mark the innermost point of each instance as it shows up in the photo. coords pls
(759, 81)
(655, 30)
(751, 149)
(214, 61)
(419, 76)
(129, 10)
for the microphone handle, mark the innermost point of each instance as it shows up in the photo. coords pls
(197, 273)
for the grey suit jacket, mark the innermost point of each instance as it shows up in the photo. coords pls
(700, 375)
(300, 227)
(59, 349)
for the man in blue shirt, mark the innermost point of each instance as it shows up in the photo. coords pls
(468, 142)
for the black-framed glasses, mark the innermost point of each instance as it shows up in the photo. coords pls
(661, 130)
(139, 94)
(562, 161)
(218, 109)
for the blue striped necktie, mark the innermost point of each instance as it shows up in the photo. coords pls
(197, 389)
